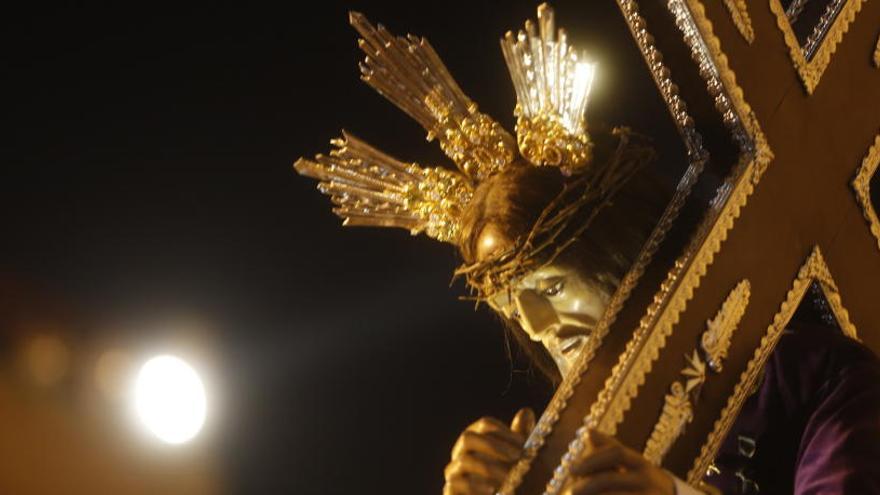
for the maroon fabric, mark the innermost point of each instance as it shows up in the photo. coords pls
(813, 427)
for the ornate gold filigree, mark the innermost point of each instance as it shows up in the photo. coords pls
(862, 185)
(716, 339)
(544, 140)
(739, 14)
(637, 359)
(679, 403)
(476, 143)
(811, 63)
(814, 270)
(372, 188)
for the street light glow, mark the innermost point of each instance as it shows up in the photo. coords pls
(170, 399)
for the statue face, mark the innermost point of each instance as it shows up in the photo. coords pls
(555, 305)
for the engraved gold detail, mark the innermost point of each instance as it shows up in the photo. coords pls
(739, 14)
(543, 140)
(811, 61)
(476, 143)
(862, 185)
(679, 403)
(814, 270)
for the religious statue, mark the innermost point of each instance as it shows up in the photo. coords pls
(548, 223)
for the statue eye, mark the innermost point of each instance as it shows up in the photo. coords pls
(555, 288)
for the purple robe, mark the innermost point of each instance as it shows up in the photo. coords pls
(813, 425)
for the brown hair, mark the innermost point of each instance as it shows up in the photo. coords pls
(511, 201)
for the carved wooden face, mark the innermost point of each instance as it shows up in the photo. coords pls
(556, 304)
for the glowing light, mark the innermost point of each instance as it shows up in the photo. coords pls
(170, 399)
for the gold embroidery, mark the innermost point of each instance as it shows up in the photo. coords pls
(739, 13)
(862, 185)
(810, 69)
(814, 270)
(679, 404)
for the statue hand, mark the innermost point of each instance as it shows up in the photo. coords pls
(610, 467)
(485, 452)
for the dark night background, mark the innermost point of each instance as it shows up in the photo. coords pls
(148, 190)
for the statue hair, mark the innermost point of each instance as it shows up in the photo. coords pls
(512, 200)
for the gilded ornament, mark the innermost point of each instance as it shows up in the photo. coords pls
(811, 59)
(716, 339)
(370, 188)
(552, 83)
(739, 14)
(677, 413)
(862, 185)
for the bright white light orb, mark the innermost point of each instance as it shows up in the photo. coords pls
(170, 399)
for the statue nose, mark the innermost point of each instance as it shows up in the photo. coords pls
(536, 313)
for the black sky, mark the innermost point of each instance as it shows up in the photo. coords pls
(148, 180)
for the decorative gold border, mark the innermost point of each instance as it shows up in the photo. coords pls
(814, 270)
(862, 185)
(643, 349)
(739, 14)
(811, 71)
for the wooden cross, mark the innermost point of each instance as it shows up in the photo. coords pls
(789, 106)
